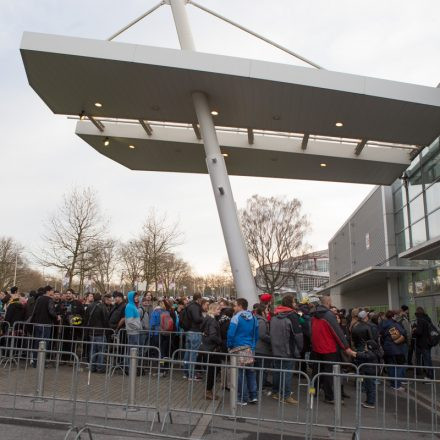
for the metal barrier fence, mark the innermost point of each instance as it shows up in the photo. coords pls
(32, 394)
(152, 397)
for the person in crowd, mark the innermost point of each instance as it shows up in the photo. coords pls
(287, 343)
(393, 339)
(96, 318)
(147, 303)
(107, 300)
(191, 322)
(373, 323)
(145, 310)
(421, 335)
(266, 300)
(133, 325)
(360, 331)
(327, 340)
(5, 297)
(116, 317)
(73, 320)
(368, 354)
(211, 342)
(15, 311)
(167, 326)
(263, 349)
(403, 320)
(89, 300)
(43, 317)
(241, 340)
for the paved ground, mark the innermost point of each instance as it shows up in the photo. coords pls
(170, 406)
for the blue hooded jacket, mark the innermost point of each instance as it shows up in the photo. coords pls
(243, 330)
(133, 323)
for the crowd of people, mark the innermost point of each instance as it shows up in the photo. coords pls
(268, 341)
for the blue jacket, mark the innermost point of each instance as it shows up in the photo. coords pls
(389, 347)
(243, 330)
(155, 320)
(133, 323)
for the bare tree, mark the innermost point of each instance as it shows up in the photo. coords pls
(274, 229)
(131, 262)
(173, 270)
(73, 233)
(158, 238)
(11, 253)
(104, 264)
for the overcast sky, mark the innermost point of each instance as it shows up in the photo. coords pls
(41, 158)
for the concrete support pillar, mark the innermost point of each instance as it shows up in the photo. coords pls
(393, 293)
(237, 252)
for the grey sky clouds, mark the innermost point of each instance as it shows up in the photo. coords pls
(41, 158)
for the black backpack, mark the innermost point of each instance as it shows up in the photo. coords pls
(433, 335)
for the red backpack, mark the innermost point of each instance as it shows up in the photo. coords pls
(166, 322)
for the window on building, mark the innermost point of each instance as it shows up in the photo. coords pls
(418, 231)
(401, 219)
(399, 198)
(422, 282)
(402, 240)
(416, 209)
(434, 224)
(432, 196)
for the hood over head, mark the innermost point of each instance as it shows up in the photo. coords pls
(130, 296)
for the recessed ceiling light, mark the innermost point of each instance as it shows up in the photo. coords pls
(214, 113)
(276, 117)
(323, 165)
(225, 154)
(339, 124)
(132, 147)
(106, 142)
(98, 104)
(156, 108)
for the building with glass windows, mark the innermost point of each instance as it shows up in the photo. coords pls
(388, 252)
(308, 273)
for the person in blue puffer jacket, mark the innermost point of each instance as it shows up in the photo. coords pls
(243, 334)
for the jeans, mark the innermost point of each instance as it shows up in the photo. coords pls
(423, 358)
(262, 374)
(247, 384)
(369, 388)
(41, 333)
(193, 341)
(397, 372)
(282, 380)
(326, 381)
(97, 353)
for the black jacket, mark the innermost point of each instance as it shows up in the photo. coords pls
(44, 311)
(195, 317)
(117, 312)
(421, 331)
(360, 334)
(72, 308)
(15, 312)
(211, 338)
(97, 317)
(224, 320)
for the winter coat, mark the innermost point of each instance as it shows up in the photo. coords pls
(15, 312)
(195, 316)
(44, 311)
(286, 333)
(389, 346)
(263, 347)
(96, 316)
(211, 337)
(421, 331)
(224, 321)
(243, 330)
(155, 320)
(360, 334)
(327, 334)
(133, 324)
(72, 308)
(117, 312)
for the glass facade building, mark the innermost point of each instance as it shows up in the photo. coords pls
(416, 199)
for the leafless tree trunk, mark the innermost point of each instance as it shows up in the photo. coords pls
(104, 264)
(274, 229)
(10, 253)
(131, 262)
(158, 238)
(73, 233)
